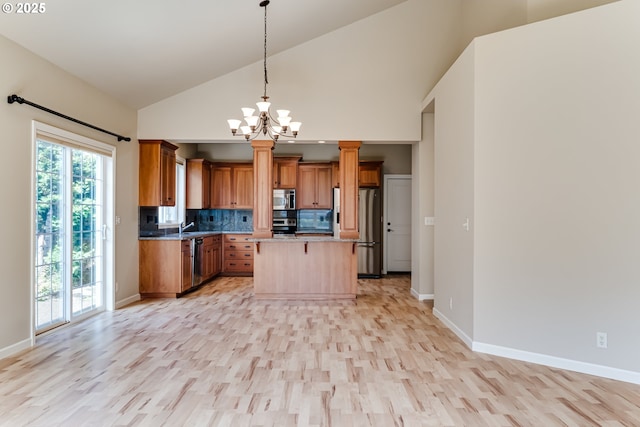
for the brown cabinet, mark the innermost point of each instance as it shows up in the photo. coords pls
(370, 173)
(199, 184)
(285, 172)
(232, 186)
(187, 259)
(314, 186)
(157, 173)
(211, 257)
(165, 268)
(238, 254)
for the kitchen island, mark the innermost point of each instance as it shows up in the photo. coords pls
(305, 267)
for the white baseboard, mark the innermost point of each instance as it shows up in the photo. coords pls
(449, 324)
(541, 359)
(15, 348)
(422, 297)
(558, 362)
(127, 301)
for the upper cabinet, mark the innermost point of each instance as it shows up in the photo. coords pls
(370, 173)
(314, 186)
(199, 184)
(232, 185)
(285, 172)
(157, 173)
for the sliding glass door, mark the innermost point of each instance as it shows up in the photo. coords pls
(70, 232)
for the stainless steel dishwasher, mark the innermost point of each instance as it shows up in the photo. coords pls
(196, 268)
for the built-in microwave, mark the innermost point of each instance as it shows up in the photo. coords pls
(284, 199)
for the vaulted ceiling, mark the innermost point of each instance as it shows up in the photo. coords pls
(146, 50)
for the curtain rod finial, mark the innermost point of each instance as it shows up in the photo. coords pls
(14, 98)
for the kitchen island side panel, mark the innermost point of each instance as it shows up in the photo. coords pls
(295, 269)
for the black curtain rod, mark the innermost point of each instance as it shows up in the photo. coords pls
(15, 98)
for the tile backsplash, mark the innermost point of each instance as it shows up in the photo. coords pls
(234, 220)
(224, 220)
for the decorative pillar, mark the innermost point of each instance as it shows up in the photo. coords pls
(349, 162)
(262, 188)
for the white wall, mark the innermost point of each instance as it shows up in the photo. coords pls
(422, 242)
(550, 110)
(362, 82)
(454, 196)
(39, 81)
(557, 177)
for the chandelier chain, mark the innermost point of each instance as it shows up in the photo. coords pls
(266, 80)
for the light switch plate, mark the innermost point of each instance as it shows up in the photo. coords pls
(429, 220)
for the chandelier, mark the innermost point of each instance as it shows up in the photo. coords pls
(264, 123)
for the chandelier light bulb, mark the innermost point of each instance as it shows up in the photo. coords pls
(284, 121)
(295, 127)
(247, 112)
(234, 125)
(252, 121)
(263, 106)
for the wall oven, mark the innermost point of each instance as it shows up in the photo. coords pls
(284, 200)
(285, 222)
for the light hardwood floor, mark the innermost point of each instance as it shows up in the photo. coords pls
(220, 357)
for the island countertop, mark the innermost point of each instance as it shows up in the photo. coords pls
(284, 238)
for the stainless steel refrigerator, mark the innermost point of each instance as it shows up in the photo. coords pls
(370, 227)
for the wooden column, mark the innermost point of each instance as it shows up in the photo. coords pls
(262, 188)
(349, 161)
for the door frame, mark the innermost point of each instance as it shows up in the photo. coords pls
(385, 214)
(77, 141)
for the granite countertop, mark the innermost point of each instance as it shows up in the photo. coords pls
(190, 235)
(292, 238)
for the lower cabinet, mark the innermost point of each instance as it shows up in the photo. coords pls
(211, 257)
(238, 255)
(165, 268)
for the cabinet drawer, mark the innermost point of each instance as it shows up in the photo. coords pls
(238, 266)
(185, 245)
(238, 255)
(238, 246)
(236, 238)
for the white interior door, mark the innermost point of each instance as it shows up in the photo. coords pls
(397, 223)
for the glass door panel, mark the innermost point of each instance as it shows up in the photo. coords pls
(50, 242)
(70, 218)
(88, 220)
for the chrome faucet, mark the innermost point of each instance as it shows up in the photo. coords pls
(184, 227)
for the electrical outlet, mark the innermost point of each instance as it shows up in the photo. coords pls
(601, 339)
(451, 303)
